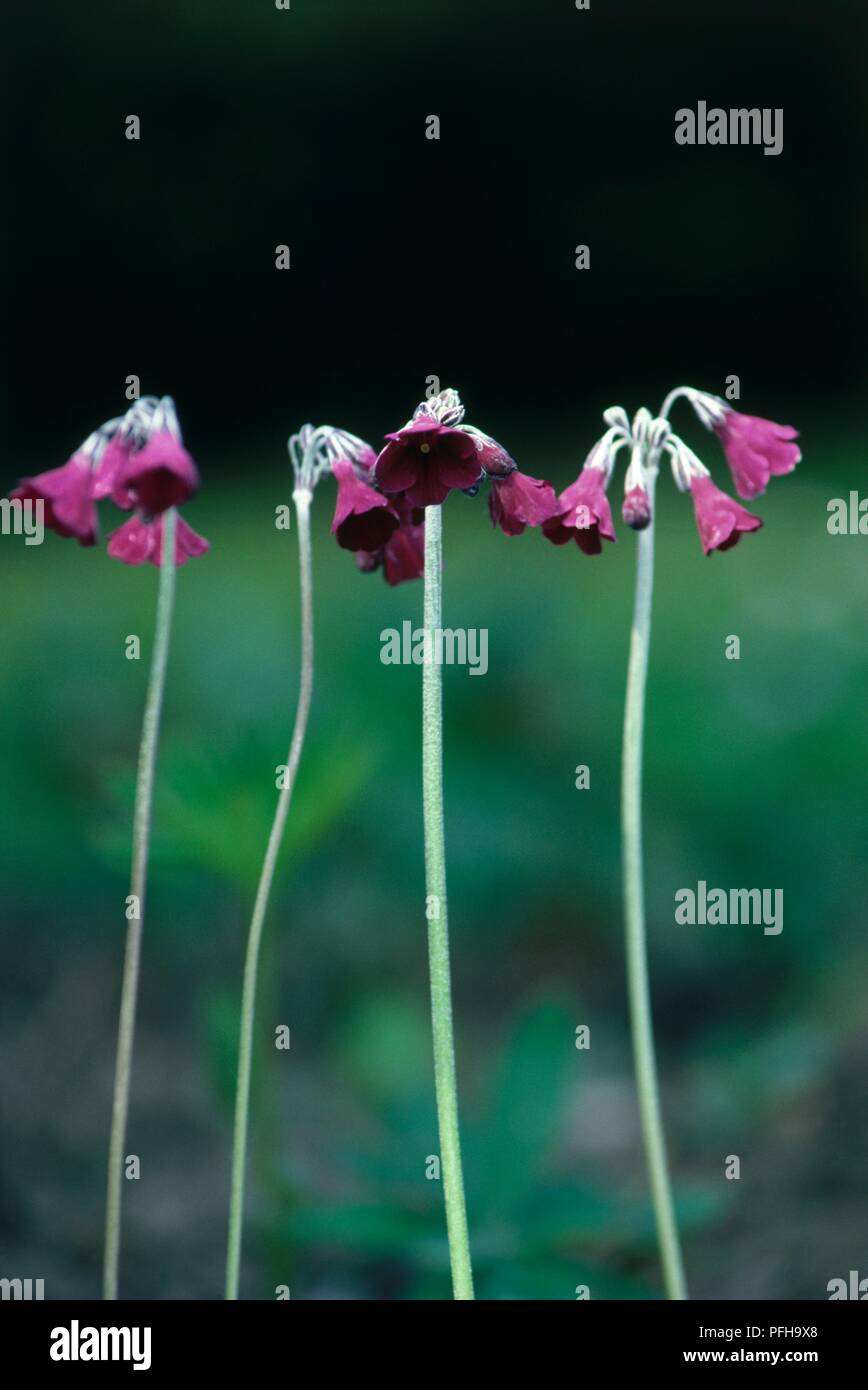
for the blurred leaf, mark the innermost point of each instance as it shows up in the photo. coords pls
(214, 809)
(528, 1091)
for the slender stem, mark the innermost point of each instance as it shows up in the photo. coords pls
(302, 499)
(634, 909)
(436, 911)
(136, 905)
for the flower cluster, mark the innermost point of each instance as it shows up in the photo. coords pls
(140, 462)
(381, 498)
(380, 511)
(755, 449)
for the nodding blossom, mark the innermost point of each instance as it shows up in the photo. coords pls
(756, 450)
(139, 461)
(381, 499)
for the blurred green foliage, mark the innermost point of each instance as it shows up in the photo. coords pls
(755, 776)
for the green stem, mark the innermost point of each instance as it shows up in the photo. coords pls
(138, 878)
(302, 499)
(634, 909)
(436, 911)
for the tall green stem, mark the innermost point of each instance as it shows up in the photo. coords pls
(634, 909)
(136, 905)
(302, 499)
(436, 911)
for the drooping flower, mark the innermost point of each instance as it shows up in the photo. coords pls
(67, 494)
(157, 473)
(141, 538)
(516, 501)
(582, 513)
(138, 460)
(720, 520)
(402, 557)
(493, 459)
(426, 460)
(364, 518)
(755, 449)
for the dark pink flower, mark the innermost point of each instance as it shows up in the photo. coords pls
(113, 461)
(517, 500)
(141, 539)
(492, 458)
(719, 519)
(159, 475)
(426, 460)
(67, 494)
(582, 513)
(403, 555)
(636, 510)
(364, 519)
(755, 450)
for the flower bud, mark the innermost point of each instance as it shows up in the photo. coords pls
(636, 510)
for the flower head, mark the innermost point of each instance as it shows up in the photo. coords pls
(436, 453)
(756, 449)
(137, 460)
(426, 460)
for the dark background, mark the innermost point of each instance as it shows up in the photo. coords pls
(412, 257)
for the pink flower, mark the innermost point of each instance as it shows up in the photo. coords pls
(582, 513)
(140, 539)
(403, 555)
(492, 458)
(755, 450)
(719, 519)
(636, 510)
(110, 471)
(426, 460)
(517, 500)
(364, 519)
(159, 475)
(67, 494)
